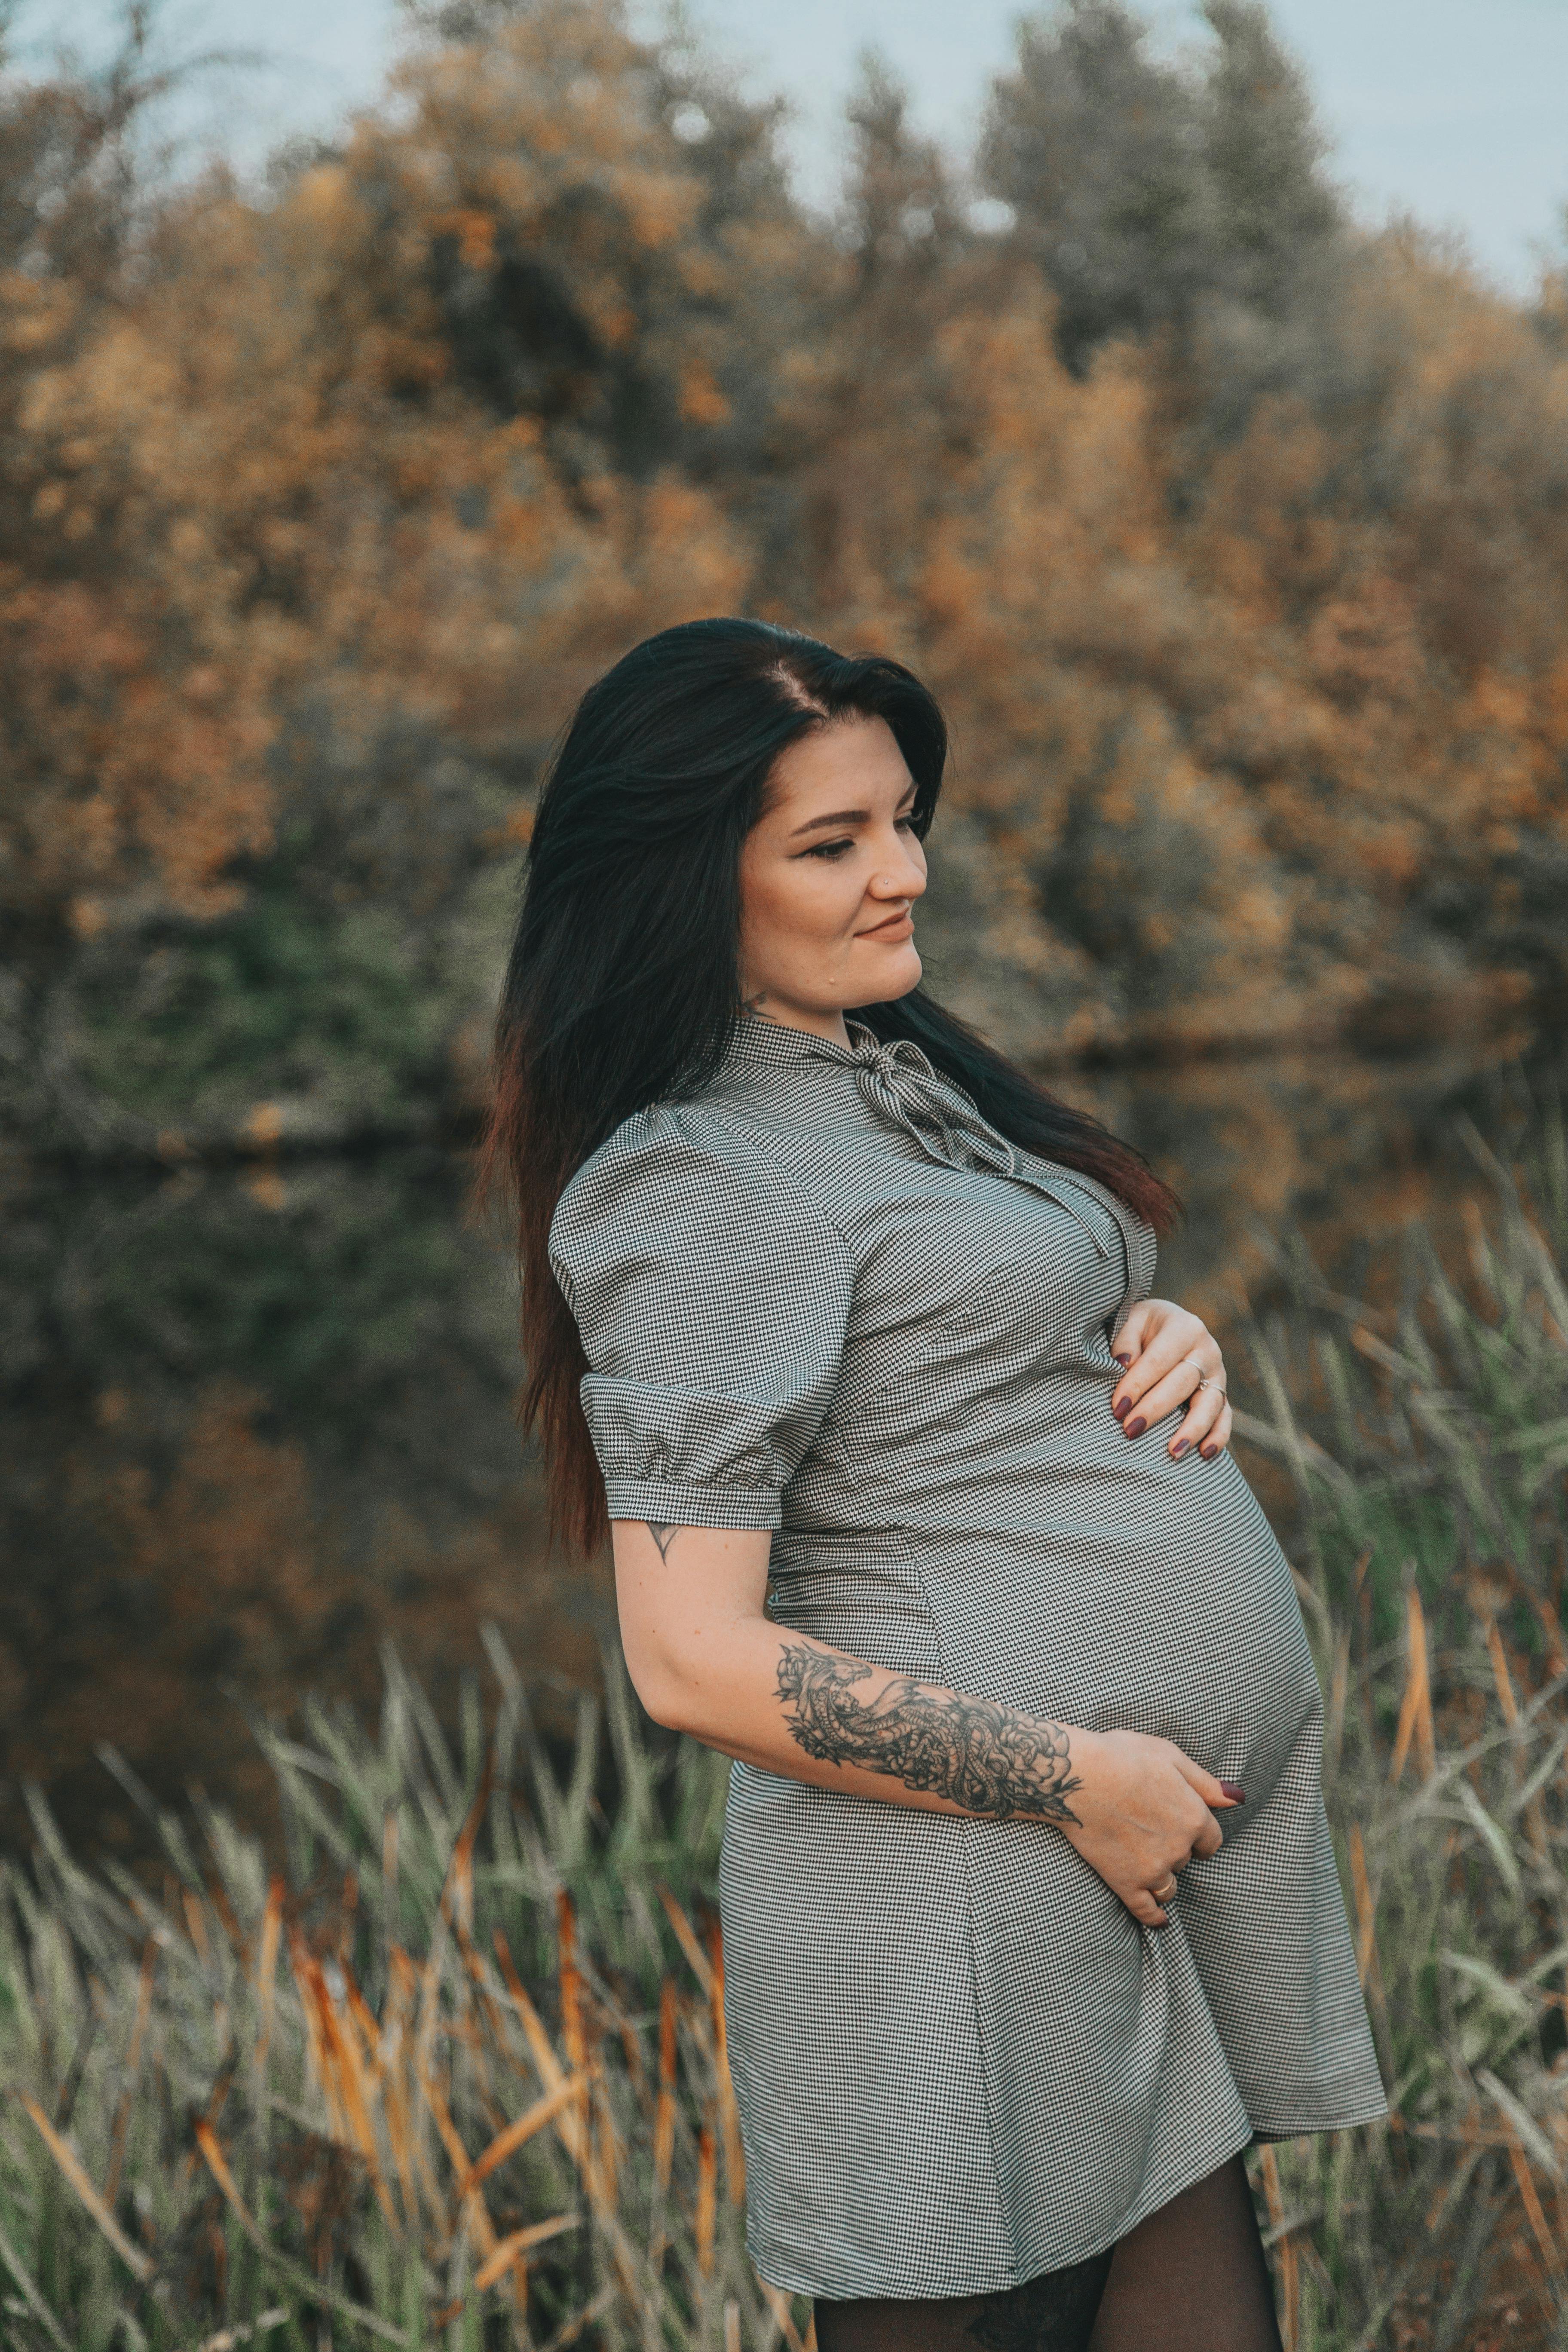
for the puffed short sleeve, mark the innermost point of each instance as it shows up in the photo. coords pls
(713, 1297)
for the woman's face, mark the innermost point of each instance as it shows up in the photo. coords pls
(828, 876)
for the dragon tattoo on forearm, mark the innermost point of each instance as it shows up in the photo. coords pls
(984, 1757)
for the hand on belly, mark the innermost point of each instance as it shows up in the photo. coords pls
(1140, 1811)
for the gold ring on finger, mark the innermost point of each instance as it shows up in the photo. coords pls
(1163, 1894)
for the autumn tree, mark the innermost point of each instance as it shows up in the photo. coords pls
(1144, 189)
(1252, 729)
(1228, 533)
(344, 497)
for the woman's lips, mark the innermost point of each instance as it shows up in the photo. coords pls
(897, 927)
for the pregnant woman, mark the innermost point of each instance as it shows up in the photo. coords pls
(921, 1513)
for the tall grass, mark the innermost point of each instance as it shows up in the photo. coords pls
(1420, 1452)
(457, 2077)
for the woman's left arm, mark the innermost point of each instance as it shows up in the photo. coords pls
(1169, 1360)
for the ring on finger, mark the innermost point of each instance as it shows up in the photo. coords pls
(1164, 1895)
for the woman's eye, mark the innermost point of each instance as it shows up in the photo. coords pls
(833, 850)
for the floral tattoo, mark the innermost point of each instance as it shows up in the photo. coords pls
(988, 1758)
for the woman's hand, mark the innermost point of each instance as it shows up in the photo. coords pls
(1170, 1358)
(1140, 1811)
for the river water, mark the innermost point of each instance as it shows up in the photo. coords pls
(261, 1419)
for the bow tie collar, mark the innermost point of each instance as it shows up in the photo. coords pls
(900, 1085)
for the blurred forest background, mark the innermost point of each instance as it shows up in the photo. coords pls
(1232, 535)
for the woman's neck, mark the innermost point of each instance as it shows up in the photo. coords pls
(785, 1016)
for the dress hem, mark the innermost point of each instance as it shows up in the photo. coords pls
(1349, 2121)
(1227, 2147)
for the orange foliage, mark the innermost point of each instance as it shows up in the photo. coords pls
(257, 475)
(1260, 695)
(1240, 721)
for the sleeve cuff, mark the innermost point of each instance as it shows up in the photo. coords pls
(692, 1506)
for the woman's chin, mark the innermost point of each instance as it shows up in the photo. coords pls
(902, 972)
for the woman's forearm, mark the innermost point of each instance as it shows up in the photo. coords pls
(973, 1754)
(706, 1659)
(707, 1662)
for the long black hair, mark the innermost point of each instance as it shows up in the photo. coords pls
(623, 984)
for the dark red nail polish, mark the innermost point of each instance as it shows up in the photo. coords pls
(1135, 1428)
(1235, 1791)
(1208, 1452)
(1123, 1361)
(1180, 1446)
(1122, 1406)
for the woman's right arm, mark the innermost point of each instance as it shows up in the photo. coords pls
(706, 1659)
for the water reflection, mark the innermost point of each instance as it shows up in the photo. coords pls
(260, 1420)
(1348, 1151)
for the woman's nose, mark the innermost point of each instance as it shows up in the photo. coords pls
(902, 878)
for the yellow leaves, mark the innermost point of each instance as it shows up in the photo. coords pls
(660, 206)
(685, 559)
(324, 195)
(509, 184)
(1270, 697)
(87, 917)
(403, 364)
(702, 273)
(85, 415)
(1416, 1706)
(611, 314)
(1365, 644)
(474, 232)
(554, 108)
(702, 402)
(1169, 864)
(188, 543)
(285, 469)
(31, 331)
(264, 1126)
(240, 466)
(1552, 707)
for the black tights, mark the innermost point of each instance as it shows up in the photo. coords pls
(1191, 2278)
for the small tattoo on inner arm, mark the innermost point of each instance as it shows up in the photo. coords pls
(663, 1536)
(987, 1758)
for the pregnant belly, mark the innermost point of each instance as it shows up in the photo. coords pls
(1104, 1585)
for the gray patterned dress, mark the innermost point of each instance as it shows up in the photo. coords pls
(827, 1298)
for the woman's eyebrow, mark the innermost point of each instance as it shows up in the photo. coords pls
(841, 816)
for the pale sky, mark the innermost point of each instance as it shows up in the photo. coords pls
(1456, 111)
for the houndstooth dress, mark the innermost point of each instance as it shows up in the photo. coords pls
(827, 1300)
